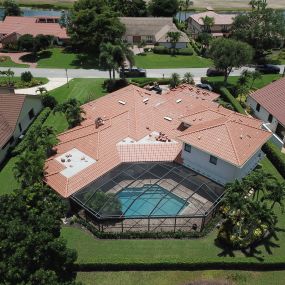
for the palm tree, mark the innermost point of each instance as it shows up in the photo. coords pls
(173, 38)
(188, 78)
(106, 58)
(255, 75)
(175, 80)
(41, 90)
(276, 194)
(187, 4)
(208, 22)
(141, 44)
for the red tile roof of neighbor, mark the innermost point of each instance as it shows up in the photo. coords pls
(10, 109)
(219, 19)
(29, 25)
(131, 117)
(272, 98)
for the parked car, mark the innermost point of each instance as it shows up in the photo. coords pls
(132, 72)
(214, 72)
(205, 86)
(268, 68)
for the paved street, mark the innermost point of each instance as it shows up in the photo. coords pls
(93, 73)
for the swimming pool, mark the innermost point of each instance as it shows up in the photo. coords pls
(150, 200)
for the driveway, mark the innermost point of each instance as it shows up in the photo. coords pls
(52, 84)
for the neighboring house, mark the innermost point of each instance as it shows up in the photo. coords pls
(268, 104)
(151, 30)
(13, 27)
(132, 124)
(16, 114)
(222, 23)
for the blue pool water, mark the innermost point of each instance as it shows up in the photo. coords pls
(143, 201)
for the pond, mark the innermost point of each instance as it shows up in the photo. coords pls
(35, 12)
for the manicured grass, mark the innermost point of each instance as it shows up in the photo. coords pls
(61, 58)
(7, 181)
(6, 61)
(151, 60)
(269, 167)
(258, 83)
(181, 277)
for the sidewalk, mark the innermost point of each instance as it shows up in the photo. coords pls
(52, 84)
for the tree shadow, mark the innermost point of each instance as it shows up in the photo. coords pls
(255, 250)
(86, 61)
(35, 57)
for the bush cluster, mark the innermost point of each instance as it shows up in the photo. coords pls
(275, 156)
(38, 122)
(141, 82)
(225, 93)
(165, 50)
(113, 85)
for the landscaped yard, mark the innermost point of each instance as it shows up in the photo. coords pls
(20, 84)
(61, 58)
(5, 61)
(151, 60)
(277, 56)
(181, 277)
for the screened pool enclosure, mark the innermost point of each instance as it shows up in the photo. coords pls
(157, 196)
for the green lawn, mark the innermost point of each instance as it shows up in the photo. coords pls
(5, 61)
(258, 83)
(181, 277)
(151, 60)
(61, 58)
(277, 56)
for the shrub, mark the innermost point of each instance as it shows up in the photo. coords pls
(48, 101)
(160, 50)
(26, 76)
(113, 85)
(225, 93)
(275, 156)
(141, 82)
(38, 121)
(186, 51)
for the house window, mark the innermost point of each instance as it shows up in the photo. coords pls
(187, 147)
(270, 118)
(149, 39)
(20, 127)
(31, 114)
(257, 107)
(213, 159)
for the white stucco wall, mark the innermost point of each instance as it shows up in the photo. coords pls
(31, 102)
(223, 171)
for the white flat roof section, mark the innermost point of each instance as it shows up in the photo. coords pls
(74, 161)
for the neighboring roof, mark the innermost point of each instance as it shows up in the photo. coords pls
(272, 98)
(10, 110)
(220, 19)
(151, 26)
(29, 25)
(132, 115)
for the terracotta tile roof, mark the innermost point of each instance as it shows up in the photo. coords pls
(272, 98)
(220, 19)
(10, 109)
(133, 115)
(29, 25)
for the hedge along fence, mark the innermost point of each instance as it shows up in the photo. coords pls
(275, 156)
(225, 93)
(210, 265)
(37, 122)
(165, 50)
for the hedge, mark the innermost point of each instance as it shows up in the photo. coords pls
(165, 50)
(214, 265)
(38, 121)
(148, 235)
(275, 156)
(141, 82)
(225, 93)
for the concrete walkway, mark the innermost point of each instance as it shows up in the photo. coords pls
(16, 58)
(52, 84)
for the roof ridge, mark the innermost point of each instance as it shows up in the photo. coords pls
(233, 146)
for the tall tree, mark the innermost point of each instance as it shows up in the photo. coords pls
(276, 194)
(229, 53)
(208, 22)
(262, 27)
(106, 59)
(92, 23)
(11, 8)
(174, 39)
(163, 8)
(129, 8)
